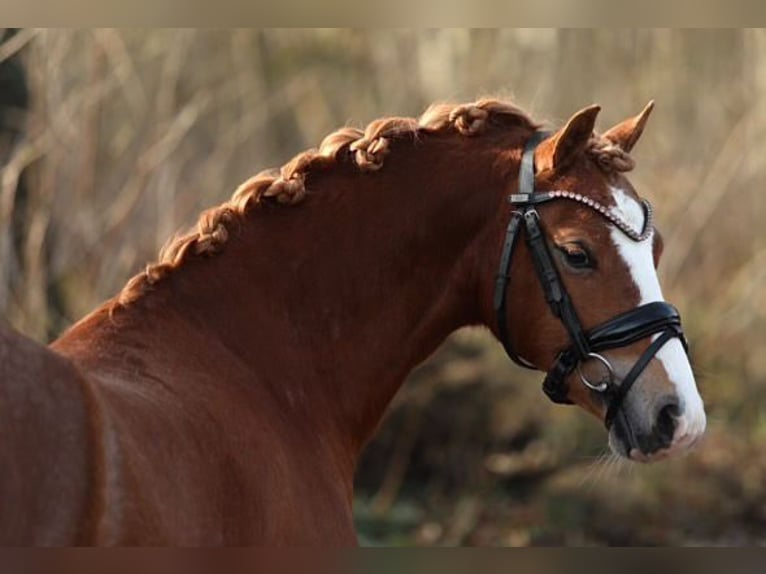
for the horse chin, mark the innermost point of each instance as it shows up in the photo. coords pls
(620, 445)
(629, 452)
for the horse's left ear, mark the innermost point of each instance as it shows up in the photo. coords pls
(626, 134)
(563, 147)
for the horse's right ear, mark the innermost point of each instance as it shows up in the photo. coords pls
(626, 134)
(565, 145)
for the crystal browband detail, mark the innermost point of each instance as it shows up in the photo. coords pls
(623, 225)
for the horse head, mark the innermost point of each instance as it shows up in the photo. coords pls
(580, 297)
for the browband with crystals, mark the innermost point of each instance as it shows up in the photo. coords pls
(624, 226)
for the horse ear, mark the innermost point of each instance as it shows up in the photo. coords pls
(565, 145)
(626, 134)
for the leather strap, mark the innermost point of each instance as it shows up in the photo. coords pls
(554, 385)
(635, 325)
(555, 294)
(617, 396)
(503, 278)
(527, 166)
(501, 288)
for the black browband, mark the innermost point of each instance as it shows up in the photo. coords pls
(657, 318)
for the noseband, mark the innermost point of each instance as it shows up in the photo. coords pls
(656, 318)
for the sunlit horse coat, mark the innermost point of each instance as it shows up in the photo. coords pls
(224, 396)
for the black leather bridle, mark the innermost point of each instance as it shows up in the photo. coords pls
(656, 318)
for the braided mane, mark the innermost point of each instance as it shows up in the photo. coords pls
(608, 156)
(366, 149)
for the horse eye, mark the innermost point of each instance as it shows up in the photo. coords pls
(576, 255)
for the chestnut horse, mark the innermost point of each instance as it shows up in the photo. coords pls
(224, 396)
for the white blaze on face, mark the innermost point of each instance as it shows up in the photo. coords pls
(639, 259)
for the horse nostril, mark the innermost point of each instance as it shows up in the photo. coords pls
(666, 423)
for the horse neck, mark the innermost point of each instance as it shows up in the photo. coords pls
(331, 303)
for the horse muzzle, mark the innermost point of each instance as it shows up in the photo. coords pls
(656, 318)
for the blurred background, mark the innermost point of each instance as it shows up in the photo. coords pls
(110, 141)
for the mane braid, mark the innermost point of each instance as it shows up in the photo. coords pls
(608, 156)
(367, 150)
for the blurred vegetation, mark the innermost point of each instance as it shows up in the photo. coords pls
(112, 140)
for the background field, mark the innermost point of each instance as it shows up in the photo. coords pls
(112, 140)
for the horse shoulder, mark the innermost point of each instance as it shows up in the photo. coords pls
(49, 459)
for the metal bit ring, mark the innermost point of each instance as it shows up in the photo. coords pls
(603, 385)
